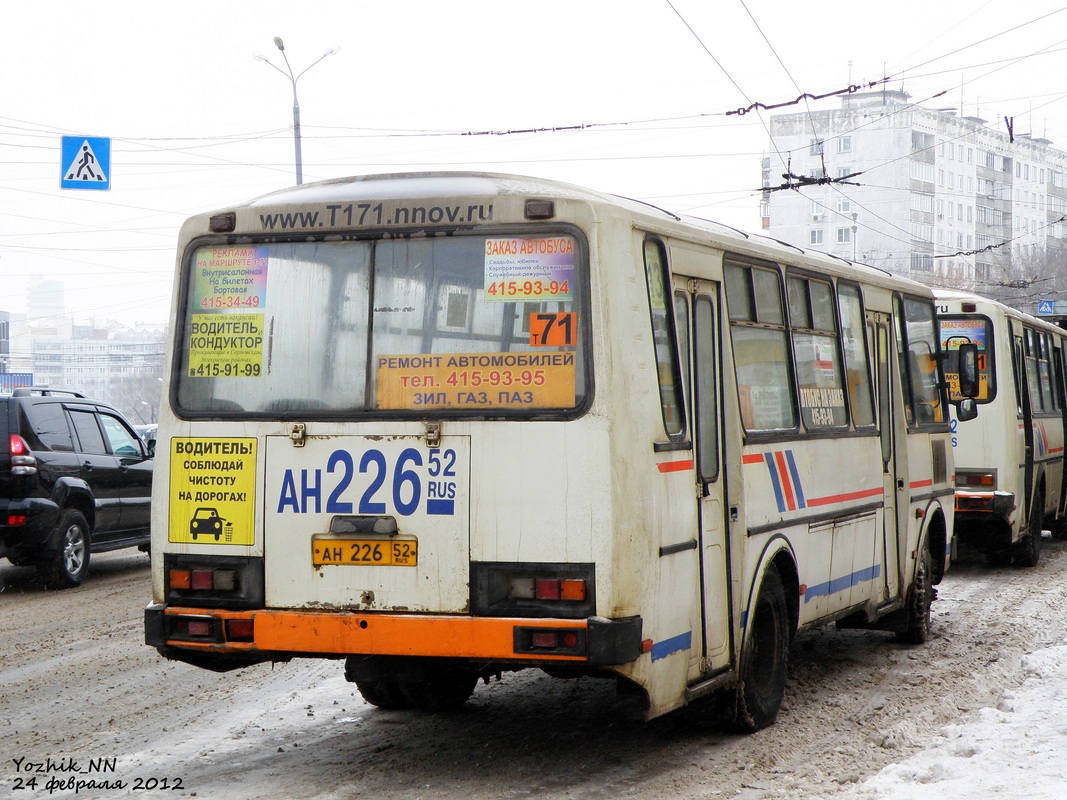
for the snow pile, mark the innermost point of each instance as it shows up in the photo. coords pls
(1017, 750)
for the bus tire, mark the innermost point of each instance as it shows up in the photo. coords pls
(383, 694)
(765, 659)
(1027, 551)
(920, 597)
(445, 688)
(998, 545)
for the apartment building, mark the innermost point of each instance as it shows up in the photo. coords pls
(946, 199)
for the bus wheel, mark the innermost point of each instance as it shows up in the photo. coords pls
(998, 546)
(383, 694)
(1027, 550)
(920, 598)
(444, 688)
(763, 664)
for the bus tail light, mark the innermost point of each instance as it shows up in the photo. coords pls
(976, 480)
(550, 641)
(226, 582)
(240, 630)
(559, 590)
(568, 589)
(191, 627)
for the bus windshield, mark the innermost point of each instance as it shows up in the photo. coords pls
(464, 325)
(957, 330)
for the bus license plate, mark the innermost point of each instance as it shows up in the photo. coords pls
(365, 552)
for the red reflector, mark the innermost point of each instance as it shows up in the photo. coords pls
(16, 519)
(240, 630)
(544, 639)
(199, 627)
(570, 640)
(203, 579)
(546, 589)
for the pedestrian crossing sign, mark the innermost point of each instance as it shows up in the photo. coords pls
(86, 163)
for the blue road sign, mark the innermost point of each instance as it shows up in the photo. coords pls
(86, 163)
(1045, 307)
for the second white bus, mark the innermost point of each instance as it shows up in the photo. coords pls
(1010, 461)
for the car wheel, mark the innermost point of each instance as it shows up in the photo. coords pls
(70, 563)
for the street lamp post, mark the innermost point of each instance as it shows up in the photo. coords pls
(854, 216)
(288, 73)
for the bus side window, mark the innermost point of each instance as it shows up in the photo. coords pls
(816, 353)
(1057, 373)
(761, 348)
(917, 348)
(857, 361)
(664, 338)
(1044, 371)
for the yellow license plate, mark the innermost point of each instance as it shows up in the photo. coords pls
(365, 552)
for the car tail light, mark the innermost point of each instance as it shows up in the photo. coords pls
(22, 458)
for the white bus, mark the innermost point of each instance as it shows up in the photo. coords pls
(446, 426)
(1009, 463)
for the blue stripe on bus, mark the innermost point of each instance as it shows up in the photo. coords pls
(682, 641)
(797, 488)
(840, 584)
(441, 507)
(772, 469)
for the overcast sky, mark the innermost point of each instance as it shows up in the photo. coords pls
(639, 88)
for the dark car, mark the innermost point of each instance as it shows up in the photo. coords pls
(75, 479)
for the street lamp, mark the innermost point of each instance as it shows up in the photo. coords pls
(288, 73)
(854, 216)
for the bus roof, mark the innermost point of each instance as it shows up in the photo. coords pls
(957, 295)
(455, 184)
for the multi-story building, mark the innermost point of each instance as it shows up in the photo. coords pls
(942, 198)
(5, 341)
(119, 365)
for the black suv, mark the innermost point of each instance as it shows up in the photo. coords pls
(74, 478)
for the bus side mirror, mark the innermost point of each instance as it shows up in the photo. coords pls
(968, 369)
(966, 410)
